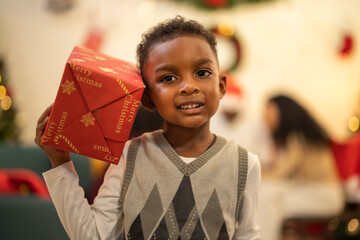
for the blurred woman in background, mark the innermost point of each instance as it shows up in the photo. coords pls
(302, 180)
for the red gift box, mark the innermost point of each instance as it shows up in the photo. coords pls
(95, 106)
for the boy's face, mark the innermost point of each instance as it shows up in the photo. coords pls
(183, 81)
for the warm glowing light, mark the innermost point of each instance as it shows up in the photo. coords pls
(0, 78)
(6, 103)
(24, 189)
(354, 124)
(20, 120)
(97, 168)
(333, 224)
(353, 226)
(2, 92)
(226, 29)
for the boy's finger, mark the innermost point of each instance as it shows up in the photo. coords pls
(40, 129)
(45, 114)
(41, 126)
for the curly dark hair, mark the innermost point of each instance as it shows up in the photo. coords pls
(169, 30)
(294, 118)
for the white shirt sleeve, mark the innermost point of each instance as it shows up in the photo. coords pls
(103, 219)
(247, 225)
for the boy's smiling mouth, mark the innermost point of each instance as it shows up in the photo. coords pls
(190, 105)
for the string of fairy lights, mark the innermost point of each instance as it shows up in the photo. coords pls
(4, 98)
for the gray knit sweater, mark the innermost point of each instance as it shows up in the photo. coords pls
(165, 198)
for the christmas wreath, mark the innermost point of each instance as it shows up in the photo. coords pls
(218, 4)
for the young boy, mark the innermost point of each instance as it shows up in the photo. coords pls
(182, 182)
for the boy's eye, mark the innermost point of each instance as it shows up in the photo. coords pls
(167, 78)
(203, 73)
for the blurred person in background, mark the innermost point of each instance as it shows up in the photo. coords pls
(302, 180)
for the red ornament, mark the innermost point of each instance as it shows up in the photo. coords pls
(347, 45)
(231, 86)
(216, 3)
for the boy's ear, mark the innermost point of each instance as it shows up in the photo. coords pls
(222, 85)
(146, 101)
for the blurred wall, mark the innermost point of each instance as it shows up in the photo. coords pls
(287, 44)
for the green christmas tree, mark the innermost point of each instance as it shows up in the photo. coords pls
(9, 132)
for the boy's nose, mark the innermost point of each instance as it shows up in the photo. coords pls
(189, 87)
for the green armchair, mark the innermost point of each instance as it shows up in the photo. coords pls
(30, 217)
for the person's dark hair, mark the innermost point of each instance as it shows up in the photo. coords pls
(293, 118)
(169, 30)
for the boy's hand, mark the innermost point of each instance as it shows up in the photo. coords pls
(56, 156)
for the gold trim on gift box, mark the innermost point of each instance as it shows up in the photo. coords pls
(68, 87)
(130, 71)
(108, 70)
(89, 59)
(77, 60)
(88, 119)
(100, 58)
(123, 87)
(56, 140)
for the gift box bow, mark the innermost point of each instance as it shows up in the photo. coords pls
(95, 106)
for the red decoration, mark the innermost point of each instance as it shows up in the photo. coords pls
(94, 39)
(231, 86)
(347, 157)
(9, 91)
(14, 180)
(347, 45)
(217, 3)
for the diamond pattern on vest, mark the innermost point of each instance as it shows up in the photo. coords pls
(135, 231)
(223, 235)
(198, 232)
(212, 217)
(188, 230)
(181, 220)
(171, 223)
(182, 217)
(183, 201)
(161, 232)
(148, 217)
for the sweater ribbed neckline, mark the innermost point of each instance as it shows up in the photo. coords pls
(188, 169)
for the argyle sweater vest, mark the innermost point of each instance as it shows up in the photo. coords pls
(165, 198)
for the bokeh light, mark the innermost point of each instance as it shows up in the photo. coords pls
(354, 124)
(353, 226)
(20, 119)
(6, 103)
(333, 224)
(2, 92)
(226, 29)
(24, 189)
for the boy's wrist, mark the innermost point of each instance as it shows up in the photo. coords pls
(59, 160)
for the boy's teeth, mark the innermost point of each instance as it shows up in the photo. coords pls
(190, 106)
